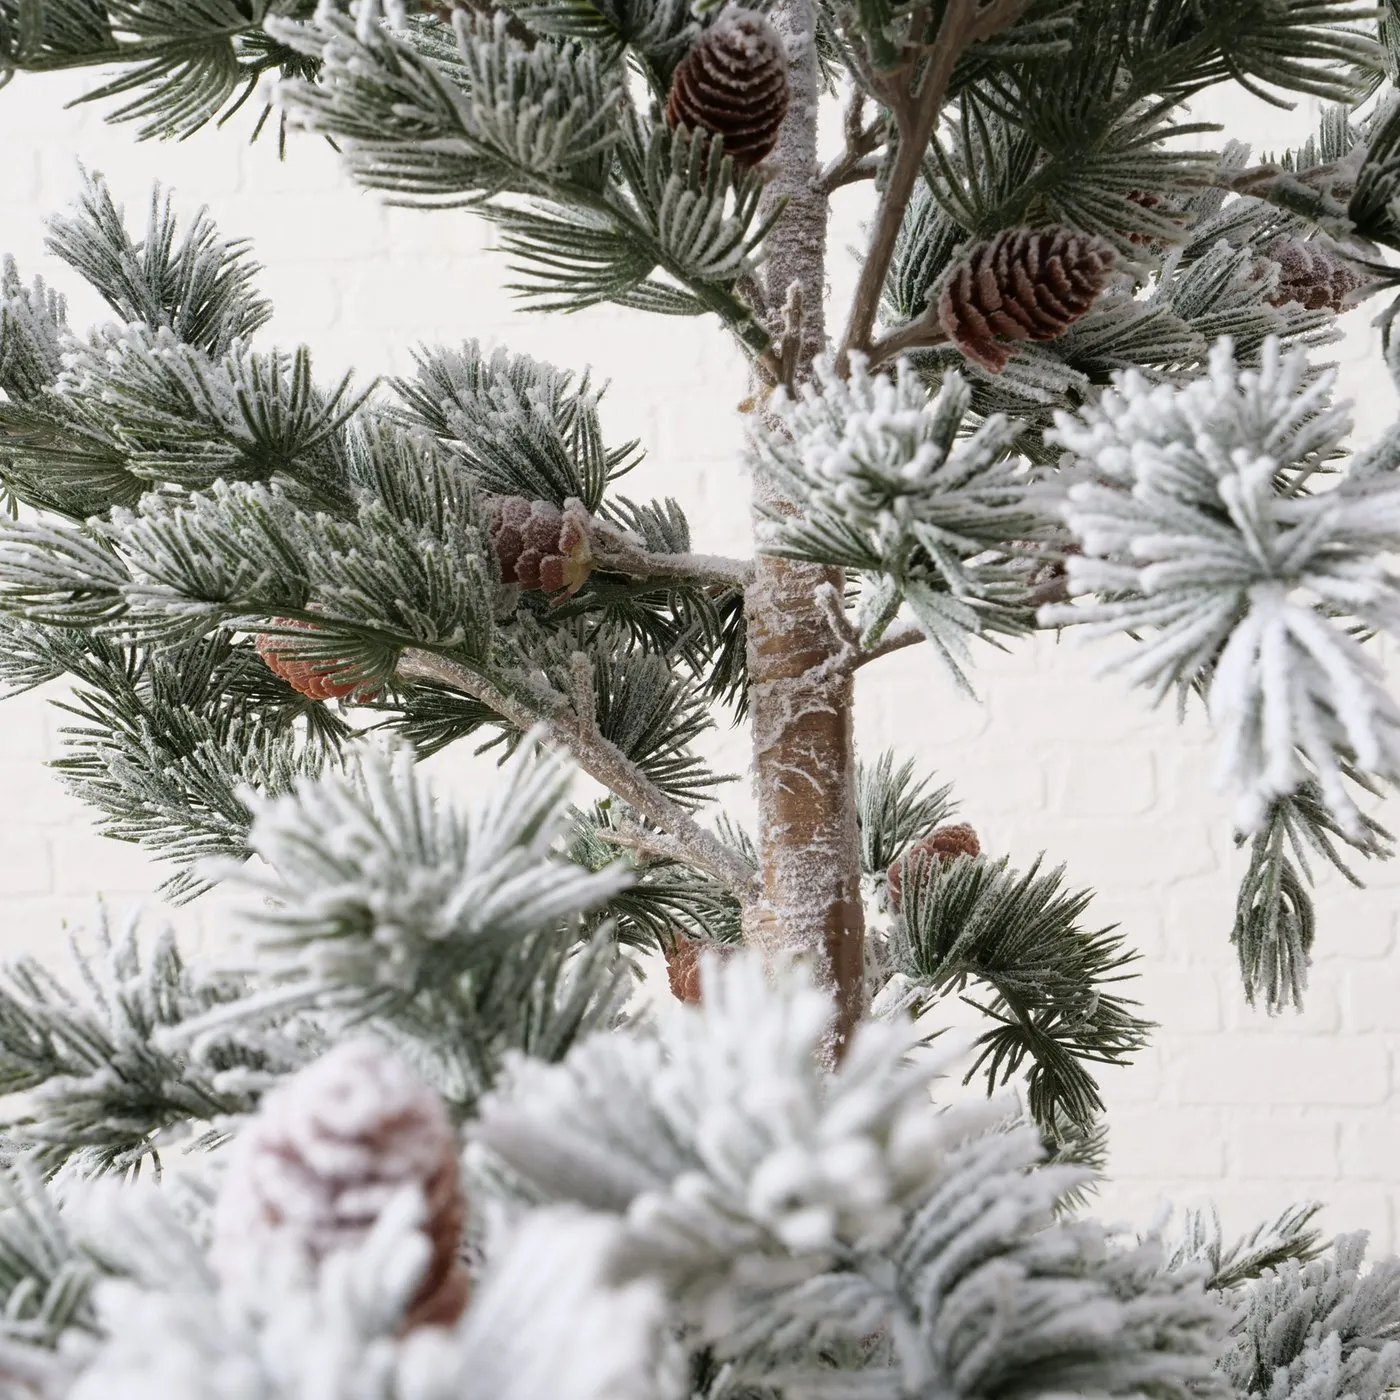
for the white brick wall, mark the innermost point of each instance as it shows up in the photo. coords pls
(1227, 1104)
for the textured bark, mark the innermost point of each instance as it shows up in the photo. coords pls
(804, 755)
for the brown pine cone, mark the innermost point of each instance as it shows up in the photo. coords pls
(1311, 273)
(485, 9)
(541, 547)
(1024, 284)
(734, 84)
(683, 967)
(313, 678)
(945, 844)
(1158, 203)
(327, 1151)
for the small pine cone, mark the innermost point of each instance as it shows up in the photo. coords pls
(683, 966)
(484, 9)
(1024, 284)
(945, 844)
(734, 84)
(313, 678)
(1311, 273)
(541, 547)
(327, 1151)
(1157, 203)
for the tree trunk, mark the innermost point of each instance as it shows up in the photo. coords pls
(800, 697)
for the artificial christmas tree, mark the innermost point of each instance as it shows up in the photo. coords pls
(1072, 389)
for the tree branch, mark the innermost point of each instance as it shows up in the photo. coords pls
(853, 653)
(618, 551)
(916, 111)
(856, 162)
(866, 168)
(896, 639)
(917, 334)
(631, 837)
(602, 760)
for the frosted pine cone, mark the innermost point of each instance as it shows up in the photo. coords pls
(945, 844)
(734, 84)
(541, 547)
(1311, 273)
(1158, 204)
(314, 678)
(327, 1152)
(683, 966)
(1024, 284)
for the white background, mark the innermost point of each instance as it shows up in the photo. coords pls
(1227, 1104)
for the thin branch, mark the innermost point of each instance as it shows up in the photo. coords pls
(857, 161)
(916, 112)
(790, 350)
(1325, 188)
(866, 168)
(618, 551)
(585, 702)
(631, 837)
(896, 639)
(918, 334)
(599, 758)
(853, 653)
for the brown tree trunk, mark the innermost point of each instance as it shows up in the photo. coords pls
(804, 754)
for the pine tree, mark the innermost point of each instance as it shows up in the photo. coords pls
(1073, 390)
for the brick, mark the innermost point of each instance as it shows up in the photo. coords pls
(87, 863)
(1127, 786)
(1138, 1149)
(1348, 1208)
(922, 710)
(316, 301)
(1267, 1147)
(1345, 1209)
(25, 863)
(1279, 1068)
(1321, 1014)
(1371, 998)
(1371, 1146)
(1354, 929)
(1182, 1000)
(996, 789)
(37, 791)
(1138, 1082)
(1065, 704)
(24, 735)
(1136, 855)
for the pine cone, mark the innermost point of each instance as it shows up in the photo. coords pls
(1024, 284)
(734, 84)
(945, 844)
(683, 966)
(313, 678)
(487, 10)
(541, 547)
(1311, 273)
(1157, 203)
(327, 1151)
